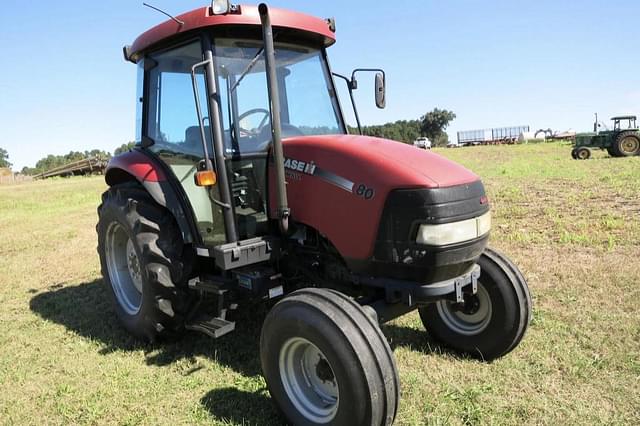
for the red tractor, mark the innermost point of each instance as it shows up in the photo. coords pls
(245, 185)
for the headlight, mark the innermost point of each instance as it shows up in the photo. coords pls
(456, 232)
(484, 223)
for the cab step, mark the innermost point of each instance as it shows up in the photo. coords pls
(211, 326)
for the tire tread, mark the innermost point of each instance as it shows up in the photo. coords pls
(162, 253)
(504, 344)
(346, 314)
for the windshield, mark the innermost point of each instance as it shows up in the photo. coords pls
(307, 100)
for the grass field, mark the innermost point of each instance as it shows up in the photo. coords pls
(573, 227)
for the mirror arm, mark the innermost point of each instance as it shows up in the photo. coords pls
(350, 86)
(353, 74)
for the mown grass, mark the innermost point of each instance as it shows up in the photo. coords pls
(572, 226)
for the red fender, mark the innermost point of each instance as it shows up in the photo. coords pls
(137, 165)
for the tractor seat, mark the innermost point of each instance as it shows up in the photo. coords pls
(192, 143)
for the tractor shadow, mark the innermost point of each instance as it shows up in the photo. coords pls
(417, 340)
(234, 406)
(86, 309)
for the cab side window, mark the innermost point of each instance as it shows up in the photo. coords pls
(172, 120)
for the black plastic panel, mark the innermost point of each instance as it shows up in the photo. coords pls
(396, 254)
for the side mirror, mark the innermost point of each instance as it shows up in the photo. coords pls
(352, 84)
(381, 100)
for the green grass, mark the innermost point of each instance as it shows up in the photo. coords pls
(573, 227)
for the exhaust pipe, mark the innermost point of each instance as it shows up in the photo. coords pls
(283, 211)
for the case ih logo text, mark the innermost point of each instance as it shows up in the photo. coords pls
(300, 166)
(295, 167)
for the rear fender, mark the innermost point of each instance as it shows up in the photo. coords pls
(136, 165)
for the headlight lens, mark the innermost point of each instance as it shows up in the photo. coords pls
(456, 232)
(484, 224)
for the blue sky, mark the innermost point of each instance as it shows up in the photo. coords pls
(64, 85)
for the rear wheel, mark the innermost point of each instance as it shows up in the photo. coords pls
(143, 262)
(326, 361)
(627, 144)
(490, 323)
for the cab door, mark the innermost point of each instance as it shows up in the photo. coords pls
(171, 129)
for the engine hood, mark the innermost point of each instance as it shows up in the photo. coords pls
(339, 184)
(400, 165)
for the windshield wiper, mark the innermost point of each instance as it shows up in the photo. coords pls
(250, 66)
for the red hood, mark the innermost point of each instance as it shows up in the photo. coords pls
(404, 164)
(339, 184)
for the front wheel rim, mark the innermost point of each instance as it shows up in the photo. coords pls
(123, 266)
(469, 318)
(308, 380)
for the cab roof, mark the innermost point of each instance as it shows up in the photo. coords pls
(243, 16)
(624, 117)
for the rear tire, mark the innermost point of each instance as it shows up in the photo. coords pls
(326, 361)
(144, 262)
(573, 153)
(626, 144)
(489, 324)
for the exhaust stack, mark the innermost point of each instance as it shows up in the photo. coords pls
(283, 211)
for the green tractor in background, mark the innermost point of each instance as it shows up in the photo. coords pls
(622, 141)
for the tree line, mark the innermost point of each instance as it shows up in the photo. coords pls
(432, 125)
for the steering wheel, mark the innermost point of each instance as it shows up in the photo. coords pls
(262, 123)
(263, 133)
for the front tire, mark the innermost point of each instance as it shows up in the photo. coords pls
(326, 361)
(144, 262)
(573, 154)
(489, 324)
(583, 153)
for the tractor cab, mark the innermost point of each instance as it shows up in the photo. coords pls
(205, 104)
(625, 122)
(173, 127)
(209, 83)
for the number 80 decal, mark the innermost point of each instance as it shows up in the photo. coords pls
(364, 192)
